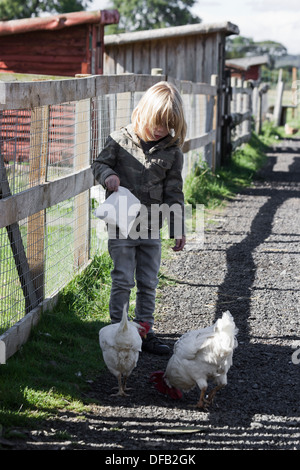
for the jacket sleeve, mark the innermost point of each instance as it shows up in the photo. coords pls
(106, 161)
(173, 196)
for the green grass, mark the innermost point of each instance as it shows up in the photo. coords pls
(54, 368)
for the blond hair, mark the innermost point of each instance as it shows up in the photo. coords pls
(161, 105)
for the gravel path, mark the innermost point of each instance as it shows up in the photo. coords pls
(249, 265)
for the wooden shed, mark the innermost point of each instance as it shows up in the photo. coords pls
(247, 68)
(61, 45)
(190, 52)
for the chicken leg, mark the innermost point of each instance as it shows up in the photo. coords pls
(212, 394)
(121, 388)
(202, 400)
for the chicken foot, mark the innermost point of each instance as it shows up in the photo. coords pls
(212, 394)
(121, 387)
(202, 401)
(205, 402)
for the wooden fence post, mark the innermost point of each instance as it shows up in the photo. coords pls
(247, 106)
(278, 103)
(294, 91)
(261, 91)
(226, 127)
(39, 130)
(214, 82)
(239, 106)
(82, 201)
(258, 123)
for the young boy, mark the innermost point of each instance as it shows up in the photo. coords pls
(146, 158)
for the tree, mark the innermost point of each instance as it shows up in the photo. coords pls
(16, 9)
(241, 46)
(136, 15)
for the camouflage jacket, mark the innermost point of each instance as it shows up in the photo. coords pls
(153, 176)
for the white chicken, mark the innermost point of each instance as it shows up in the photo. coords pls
(198, 356)
(121, 344)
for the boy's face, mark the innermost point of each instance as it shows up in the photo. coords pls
(159, 132)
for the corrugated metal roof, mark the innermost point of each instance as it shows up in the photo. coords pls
(244, 63)
(56, 22)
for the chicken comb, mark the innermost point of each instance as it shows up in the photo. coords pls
(157, 378)
(145, 327)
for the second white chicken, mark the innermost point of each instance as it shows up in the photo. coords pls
(198, 356)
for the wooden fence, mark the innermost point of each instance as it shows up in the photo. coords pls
(47, 229)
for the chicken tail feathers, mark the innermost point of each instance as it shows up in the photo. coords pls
(157, 378)
(124, 320)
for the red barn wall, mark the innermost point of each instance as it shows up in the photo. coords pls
(59, 52)
(253, 73)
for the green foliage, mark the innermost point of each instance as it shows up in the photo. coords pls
(151, 14)
(203, 186)
(17, 9)
(271, 133)
(240, 46)
(87, 294)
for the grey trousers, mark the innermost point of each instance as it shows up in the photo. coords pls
(134, 260)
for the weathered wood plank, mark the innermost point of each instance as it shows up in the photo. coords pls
(21, 262)
(238, 118)
(241, 90)
(19, 206)
(192, 144)
(198, 88)
(240, 140)
(18, 334)
(22, 95)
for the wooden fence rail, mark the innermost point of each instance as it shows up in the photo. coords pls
(95, 106)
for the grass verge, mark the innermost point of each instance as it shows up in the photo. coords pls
(51, 371)
(213, 189)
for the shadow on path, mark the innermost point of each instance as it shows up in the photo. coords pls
(265, 374)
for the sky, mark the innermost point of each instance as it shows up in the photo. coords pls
(276, 20)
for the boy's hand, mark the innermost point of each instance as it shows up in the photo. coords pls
(179, 245)
(112, 183)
